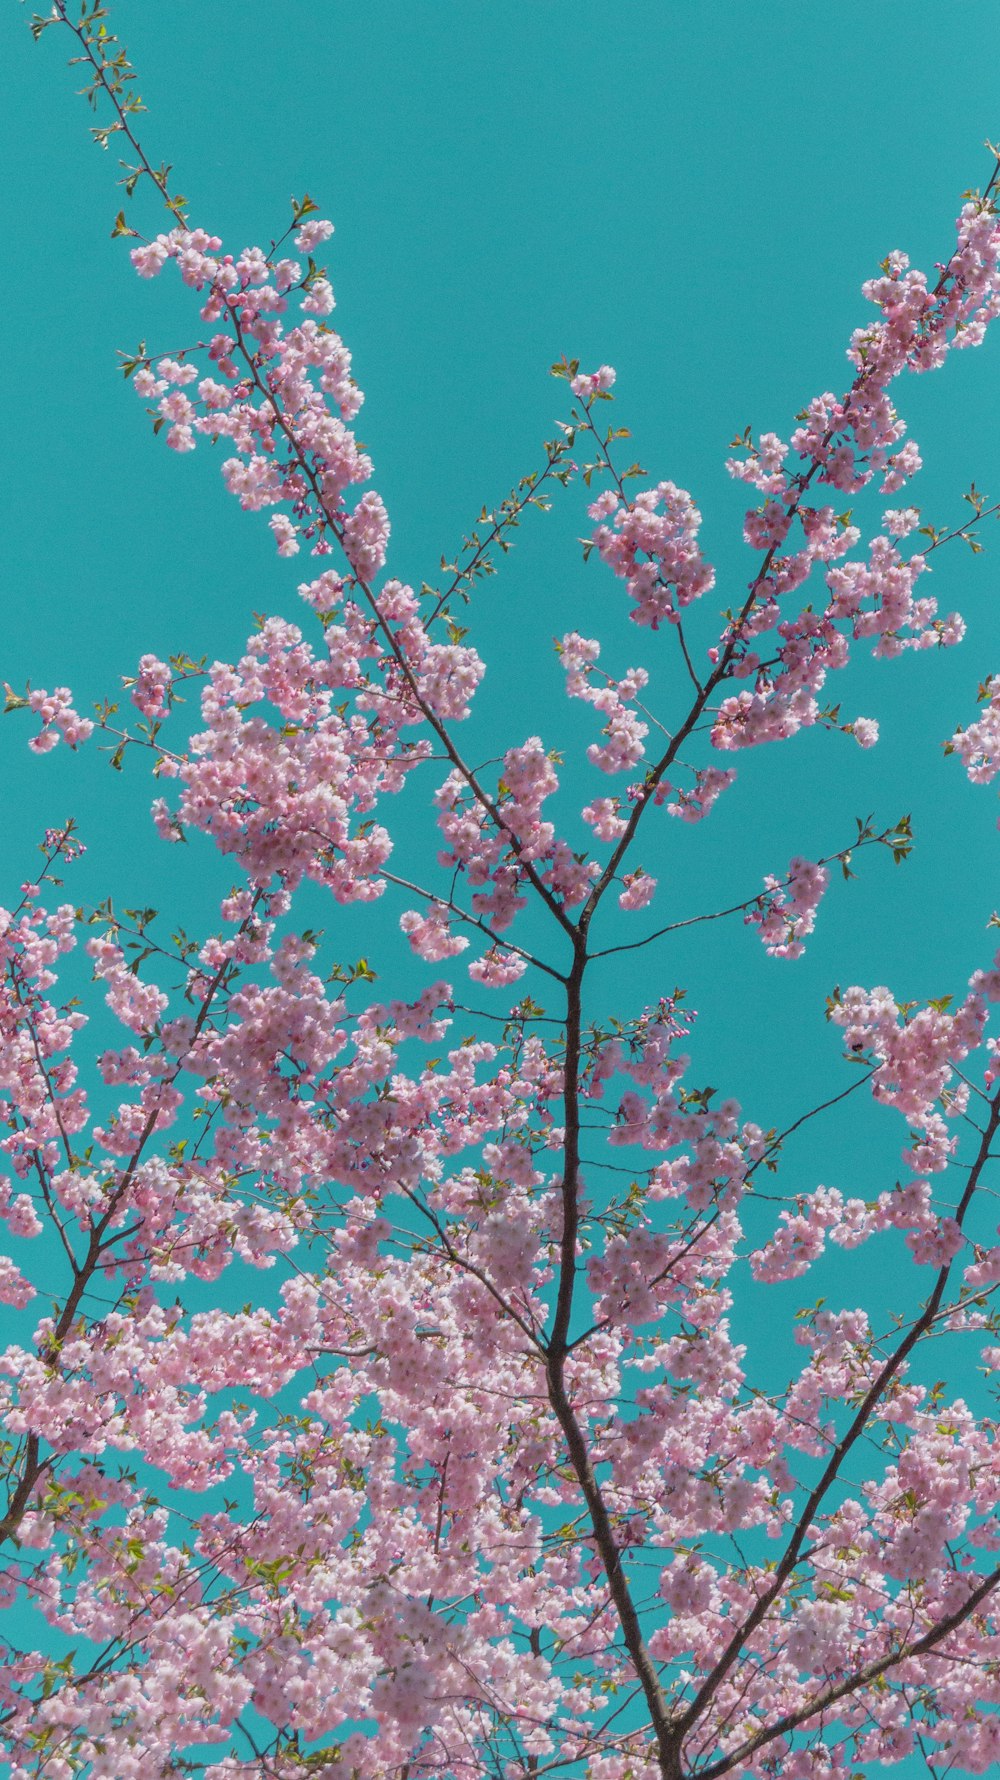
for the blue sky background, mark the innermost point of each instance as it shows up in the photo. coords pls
(692, 193)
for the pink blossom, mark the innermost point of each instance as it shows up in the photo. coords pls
(785, 913)
(14, 1288)
(588, 383)
(497, 969)
(58, 719)
(431, 935)
(312, 234)
(639, 890)
(865, 731)
(152, 686)
(285, 535)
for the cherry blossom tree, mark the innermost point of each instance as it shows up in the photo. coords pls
(481, 1483)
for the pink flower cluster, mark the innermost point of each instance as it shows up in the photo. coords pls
(785, 913)
(846, 443)
(693, 805)
(978, 746)
(915, 1058)
(294, 799)
(623, 731)
(503, 847)
(58, 719)
(321, 1095)
(652, 544)
(282, 397)
(151, 690)
(589, 383)
(802, 1233)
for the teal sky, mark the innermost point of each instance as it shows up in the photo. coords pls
(691, 192)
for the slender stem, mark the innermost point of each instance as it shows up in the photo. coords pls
(100, 70)
(962, 531)
(497, 939)
(509, 516)
(737, 908)
(804, 1118)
